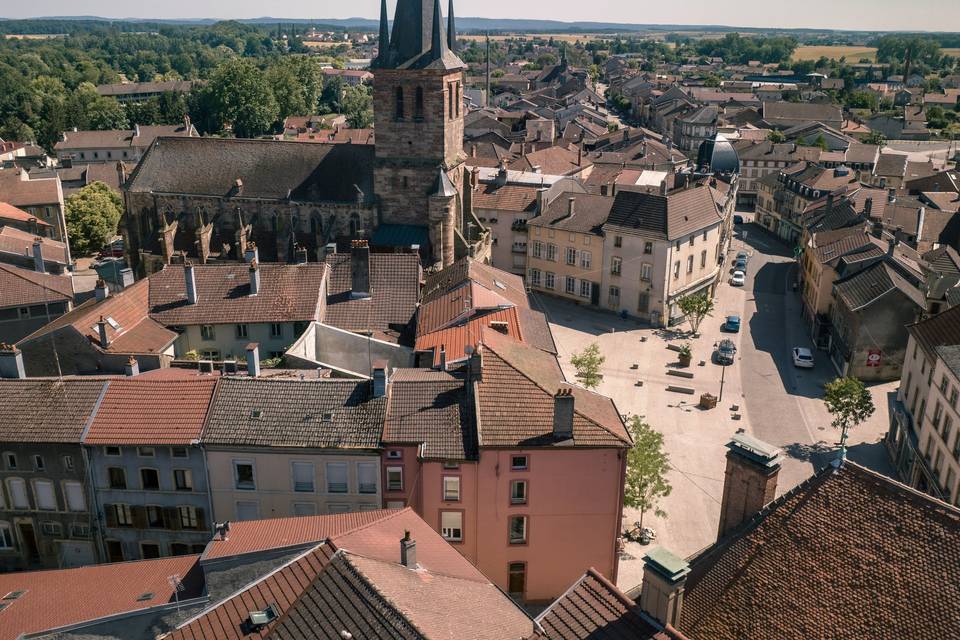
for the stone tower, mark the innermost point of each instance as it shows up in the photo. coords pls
(418, 111)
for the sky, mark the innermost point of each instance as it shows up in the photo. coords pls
(892, 15)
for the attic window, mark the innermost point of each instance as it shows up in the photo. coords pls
(256, 414)
(143, 597)
(500, 285)
(327, 417)
(13, 595)
(113, 323)
(260, 618)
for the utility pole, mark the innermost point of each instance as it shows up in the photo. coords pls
(486, 92)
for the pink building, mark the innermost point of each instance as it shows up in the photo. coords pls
(520, 471)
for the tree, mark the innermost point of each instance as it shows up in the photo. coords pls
(331, 95)
(820, 142)
(357, 105)
(241, 97)
(647, 466)
(92, 216)
(876, 138)
(850, 403)
(588, 363)
(776, 136)
(696, 308)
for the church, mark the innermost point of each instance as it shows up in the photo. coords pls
(212, 199)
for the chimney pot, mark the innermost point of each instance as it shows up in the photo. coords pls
(254, 278)
(38, 255)
(443, 358)
(102, 330)
(381, 372)
(253, 360)
(132, 368)
(11, 362)
(190, 282)
(408, 551)
(101, 291)
(359, 269)
(563, 414)
(750, 480)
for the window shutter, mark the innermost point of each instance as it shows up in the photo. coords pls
(172, 518)
(139, 516)
(110, 513)
(201, 523)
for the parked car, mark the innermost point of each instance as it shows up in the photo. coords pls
(732, 324)
(724, 352)
(737, 219)
(742, 255)
(738, 279)
(802, 357)
(740, 265)
(113, 249)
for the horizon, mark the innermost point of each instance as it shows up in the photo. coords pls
(929, 16)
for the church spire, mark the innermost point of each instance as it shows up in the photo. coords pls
(451, 29)
(384, 44)
(436, 41)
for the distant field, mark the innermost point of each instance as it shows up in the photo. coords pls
(951, 52)
(852, 54)
(323, 45)
(560, 37)
(28, 36)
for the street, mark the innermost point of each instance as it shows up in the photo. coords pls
(763, 393)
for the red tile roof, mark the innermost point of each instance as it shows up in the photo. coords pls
(55, 599)
(431, 408)
(456, 339)
(135, 411)
(10, 212)
(23, 287)
(509, 197)
(19, 190)
(16, 241)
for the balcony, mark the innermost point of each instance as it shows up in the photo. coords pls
(519, 247)
(519, 225)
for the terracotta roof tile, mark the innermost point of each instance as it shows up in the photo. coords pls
(456, 338)
(431, 408)
(23, 287)
(508, 197)
(45, 410)
(18, 242)
(18, 190)
(10, 212)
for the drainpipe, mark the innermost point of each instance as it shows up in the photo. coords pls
(94, 506)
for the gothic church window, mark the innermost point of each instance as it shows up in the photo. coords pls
(399, 108)
(418, 113)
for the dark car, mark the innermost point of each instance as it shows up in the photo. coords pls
(740, 265)
(737, 219)
(724, 352)
(732, 324)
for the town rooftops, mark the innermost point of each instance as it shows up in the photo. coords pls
(47, 410)
(23, 287)
(142, 136)
(850, 568)
(668, 217)
(10, 212)
(134, 88)
(70, 598)
(431, 408)
(15, 242)
(18, 189)
(507, 285)
(152, 411)
(869, 285)
(941, 329)
(588, 213)
(295, 413)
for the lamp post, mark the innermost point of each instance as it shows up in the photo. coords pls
(723, 375)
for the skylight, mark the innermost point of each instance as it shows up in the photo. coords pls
(500, 285)
(113, 323)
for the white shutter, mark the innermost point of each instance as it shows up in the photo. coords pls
(18, 493)
(302, 476)
(75, 498)
(451, 525)
(367, 477)
(46, 498)
(247, 510)
(337, 477)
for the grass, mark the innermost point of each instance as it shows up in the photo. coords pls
(852, 53)
(558, 37)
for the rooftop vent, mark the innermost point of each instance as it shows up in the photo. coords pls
(13, 595)
(258, 619)
(143, 597)
(256, 414)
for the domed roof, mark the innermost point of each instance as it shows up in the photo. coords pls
(718, 156)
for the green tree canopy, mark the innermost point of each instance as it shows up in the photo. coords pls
(850, 404)
(92, 214)
(357, 106)
(588, 364)
(696, 308)
(240, 96)
(646, 480)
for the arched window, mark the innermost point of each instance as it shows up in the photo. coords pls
(459, 98)
(450, 91)
(418, 112)
(399, 109)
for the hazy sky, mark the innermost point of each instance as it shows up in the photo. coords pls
(932, 15)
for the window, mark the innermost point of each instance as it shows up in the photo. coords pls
(571, 285)
(395, 454)
(179, 452)
(146, 452)
(585, 288)
(646, 271)
(247, 510)
(124, 515)
(367, 477)
(618, 241)
(647, 248)
(398, 106)
(183, 479)
(243, 475)
(154, 517)
(538, 249)
(38, 463)
(551, 252)
(45, 495)
(676, 245)
(276, 330)
(676, 269)
(51, 529)
(451, 488)
(519, 463)
(586, 259)
(549, 281)
(518, 492)
(692, 238)
(304, 509)
(947, 428)
(149, 550)
(6, 536)
(518, 529)
(207, 332)
(571, 256)
(17, 490)
(150, 479)
(179, 549)
(616, 265)
(241, 331)
(111, 451)
(703, 259)
(535, 277)
(689, 264)
(418, 105)
(394, 478)
(10, 460)
(73, 493)
(451, 525)
(302, 473)
(67, 463)
(937, 415)
(517, 579)
(953, 398)
(189, 519)
(614, 296)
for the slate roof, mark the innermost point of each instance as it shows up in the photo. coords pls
(155, 412)
(938, 330)
(119, 138)
(287, 293)
(431, 408)
(848, 553)
(22, 287)
(594, 609)
(67, 597)
(269, 169)
(791, 113)
(295, 413)
(665, 217)
(394, 290)
(590, 212)
(47, 410)
(866, 287)
(515, 400)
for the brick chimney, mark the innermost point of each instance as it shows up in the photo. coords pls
(664, 580)
(101, 290)
(38, 255)
(11, 362)
(253, 359)
(443, 357)
(102, 330)
(381, 377)
(408, 551)
(563, 414)
(868, 207)
(750, 481)
(254, 278)
(359, 269)
(190, 282)
(132, 368)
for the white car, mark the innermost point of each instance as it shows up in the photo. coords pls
(802, 357)
(738, 279)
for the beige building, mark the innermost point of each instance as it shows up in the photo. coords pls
(924, 436)
(759, 158)
(279, 447)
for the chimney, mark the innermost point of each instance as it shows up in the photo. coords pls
(38, 255)
(102, 329)
(897, 239)
(474, 364)
(136, 131)
(883, 183)
(563, 414)
(11, 362)
(132, 368)
(876, 229)
(663, 188)
(253, 360)
(829, 203)
(101, 291)
(190, 282)
(254, 278)
(408, 551)
(750, 481)
(329, 249)
(359, 269)
(570, 206)
(891, 195)
(868, 207)
(251, 253)
(301, 253)
(664, 580)
(380, 378)
(443, 357)
(541, 195)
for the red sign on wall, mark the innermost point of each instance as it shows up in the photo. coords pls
(873, 358)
